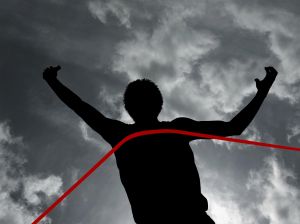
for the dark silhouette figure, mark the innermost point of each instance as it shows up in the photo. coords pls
(158, 172)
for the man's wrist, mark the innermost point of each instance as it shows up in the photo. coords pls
(50, 79)
(262, 92)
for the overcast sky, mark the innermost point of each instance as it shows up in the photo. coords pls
(203, 55)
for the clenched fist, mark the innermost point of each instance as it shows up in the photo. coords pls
(51, 72)
(265, 84)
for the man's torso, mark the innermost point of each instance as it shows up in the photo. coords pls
(159, 175)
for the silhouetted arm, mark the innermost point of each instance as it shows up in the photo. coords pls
(240, 122)
(97, 121)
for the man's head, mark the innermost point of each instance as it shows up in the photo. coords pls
(143, 100)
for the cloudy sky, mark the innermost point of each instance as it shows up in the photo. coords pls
(204, 56)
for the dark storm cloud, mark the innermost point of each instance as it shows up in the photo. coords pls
(26, 50)
(200, 53)
(35, 35)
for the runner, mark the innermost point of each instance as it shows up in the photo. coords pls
(158, 189)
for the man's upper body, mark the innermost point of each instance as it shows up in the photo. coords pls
(158, 172)
(160, 176)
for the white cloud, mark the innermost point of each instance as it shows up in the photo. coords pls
(74, 174)
(101, 10)
(93, 138)
(294, 132)
(226, 84)
(14, 180)
(269, 195)
(174, 45)
(278, 198)
(85, 134)
(50, 186)
(283, 36)
(113, 104)
(181, 53)
(170, 51)
(167, 54)
(5, 135)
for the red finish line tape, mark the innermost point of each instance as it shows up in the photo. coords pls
(153, 132)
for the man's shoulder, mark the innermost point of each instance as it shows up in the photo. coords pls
(182, 122)
(116, 131)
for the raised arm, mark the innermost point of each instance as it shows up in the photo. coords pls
(106, 127)
(240, 122)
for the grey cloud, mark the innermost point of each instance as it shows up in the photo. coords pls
(32, 190)
(203, 56)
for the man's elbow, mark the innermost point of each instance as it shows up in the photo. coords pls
(235, 130)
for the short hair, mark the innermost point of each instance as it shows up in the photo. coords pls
(145, 93)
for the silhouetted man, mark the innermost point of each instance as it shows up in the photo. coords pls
(158, 172)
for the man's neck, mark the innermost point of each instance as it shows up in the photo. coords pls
(148, 123)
